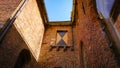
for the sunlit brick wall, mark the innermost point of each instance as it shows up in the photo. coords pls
(30, 25)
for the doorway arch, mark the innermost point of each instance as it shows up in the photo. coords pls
(23, 58)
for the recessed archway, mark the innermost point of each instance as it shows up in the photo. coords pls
(23, 58)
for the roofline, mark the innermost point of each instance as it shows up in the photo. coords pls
(42, 10)
(44, 14)
(59, 23)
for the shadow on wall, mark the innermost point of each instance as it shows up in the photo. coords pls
(23, 59)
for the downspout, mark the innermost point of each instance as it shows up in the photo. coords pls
(11, 20)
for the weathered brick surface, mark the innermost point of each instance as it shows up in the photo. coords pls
(26, 33)
(30, 25)
(94, 50)
(51, 59)
(90, 46)
(6, 9)
(10, 48)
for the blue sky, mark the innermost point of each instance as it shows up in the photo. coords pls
(58, 10)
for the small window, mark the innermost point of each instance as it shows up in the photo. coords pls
(62, 38)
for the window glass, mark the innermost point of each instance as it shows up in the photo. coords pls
(104, 7)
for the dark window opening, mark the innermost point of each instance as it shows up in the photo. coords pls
(61, 41)
(23, 58)
(61, 38)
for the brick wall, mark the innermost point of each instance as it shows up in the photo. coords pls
(53, 58)
(30, 26)
(10, 49)
(6, 9)
(94, 50)
(26, 33)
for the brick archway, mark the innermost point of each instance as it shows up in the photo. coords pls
(23, 58)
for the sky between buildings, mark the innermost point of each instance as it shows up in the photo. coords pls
(58, 10)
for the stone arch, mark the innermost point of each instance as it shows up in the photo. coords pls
(23, 59)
